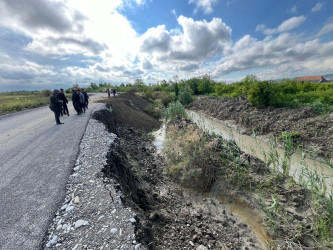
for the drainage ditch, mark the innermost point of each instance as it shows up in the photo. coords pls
(168, 216)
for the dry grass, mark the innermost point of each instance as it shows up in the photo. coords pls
(17, 101)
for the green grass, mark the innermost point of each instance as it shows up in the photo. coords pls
(17, 101)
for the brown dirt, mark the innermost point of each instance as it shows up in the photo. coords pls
(292, 215)
(129, 108)
(169, 217)
(315, 131)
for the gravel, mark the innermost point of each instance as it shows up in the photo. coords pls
(92, 215)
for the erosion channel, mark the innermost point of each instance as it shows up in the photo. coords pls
(261, 149)
(244, 204)
(168, 216)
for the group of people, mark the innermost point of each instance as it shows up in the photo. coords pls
(58, 103)
(80, 100)
(113, 91)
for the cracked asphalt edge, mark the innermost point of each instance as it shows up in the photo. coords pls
(92, 215)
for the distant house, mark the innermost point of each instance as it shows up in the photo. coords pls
(317, 79)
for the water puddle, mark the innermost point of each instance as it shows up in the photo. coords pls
(249, 217)
(159, 136)
(260, 149)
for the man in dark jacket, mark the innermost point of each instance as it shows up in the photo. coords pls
(76, 102)
(82, 101)
(64, 100)
(56, 105)
(86, 97)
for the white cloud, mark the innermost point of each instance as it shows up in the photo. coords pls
(205, 5)
(287, 25)
(28, 70)
(326, 29)
(317, 7)
(250, 53)
(230, 2)
(198, 40)
(293, 10)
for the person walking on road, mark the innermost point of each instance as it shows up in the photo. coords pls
(114, 91)
(56, 105)
(64, 100)
(86, 97)
(76, 102)
(109, 93)
(82, 101)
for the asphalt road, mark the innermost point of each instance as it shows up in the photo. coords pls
(36, 159)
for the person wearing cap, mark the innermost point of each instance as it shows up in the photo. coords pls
(56, 105)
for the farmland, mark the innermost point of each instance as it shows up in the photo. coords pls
(16, 101)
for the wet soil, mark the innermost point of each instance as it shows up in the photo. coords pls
(168, 216)
(291, 214)
(314, 131)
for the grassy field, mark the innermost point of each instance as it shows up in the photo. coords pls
(16, 101)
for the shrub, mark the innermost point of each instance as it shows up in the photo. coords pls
(148, 93)
(175, 109)
(164, 96)
(260, 94)
(192, 159)
(185, 96)
(46, 92)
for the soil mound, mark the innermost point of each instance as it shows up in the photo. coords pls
(138, 101)
(129, 109)
(313, 131)
(169, 217)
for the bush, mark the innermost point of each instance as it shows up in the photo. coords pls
(175, 109)
(164, 96)
(46, 92)
(260, 94)
(185, 96)
(193, 159)
(148, 93)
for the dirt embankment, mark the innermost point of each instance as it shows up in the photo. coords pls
(313, 131)
(168, 217)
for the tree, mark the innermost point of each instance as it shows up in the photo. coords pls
(260, 94)
(93, 86)
(205, 85)
(139, 82)
(185, 96)
(250, 78)
(75, 86)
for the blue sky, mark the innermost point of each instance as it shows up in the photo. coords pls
(57, 43)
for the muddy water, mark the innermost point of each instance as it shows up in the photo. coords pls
(260, 149)
(248, 217)
(159, 138)
(235, 205)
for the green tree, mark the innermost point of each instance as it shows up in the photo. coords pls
(93, 86)
(205, 85)
(185, 96)
(260, 94)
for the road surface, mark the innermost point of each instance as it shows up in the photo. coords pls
(36, 159)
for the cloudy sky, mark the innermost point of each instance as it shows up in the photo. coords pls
(56, 43)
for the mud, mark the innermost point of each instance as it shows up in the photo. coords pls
(168, 216)
(291, 215)
(315, 132)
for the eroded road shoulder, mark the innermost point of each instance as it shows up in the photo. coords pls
(92, 215)
(37, 157)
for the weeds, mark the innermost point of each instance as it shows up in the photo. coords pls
(174, 109)
(13, 102)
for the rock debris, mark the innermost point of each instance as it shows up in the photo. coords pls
(92, 215)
